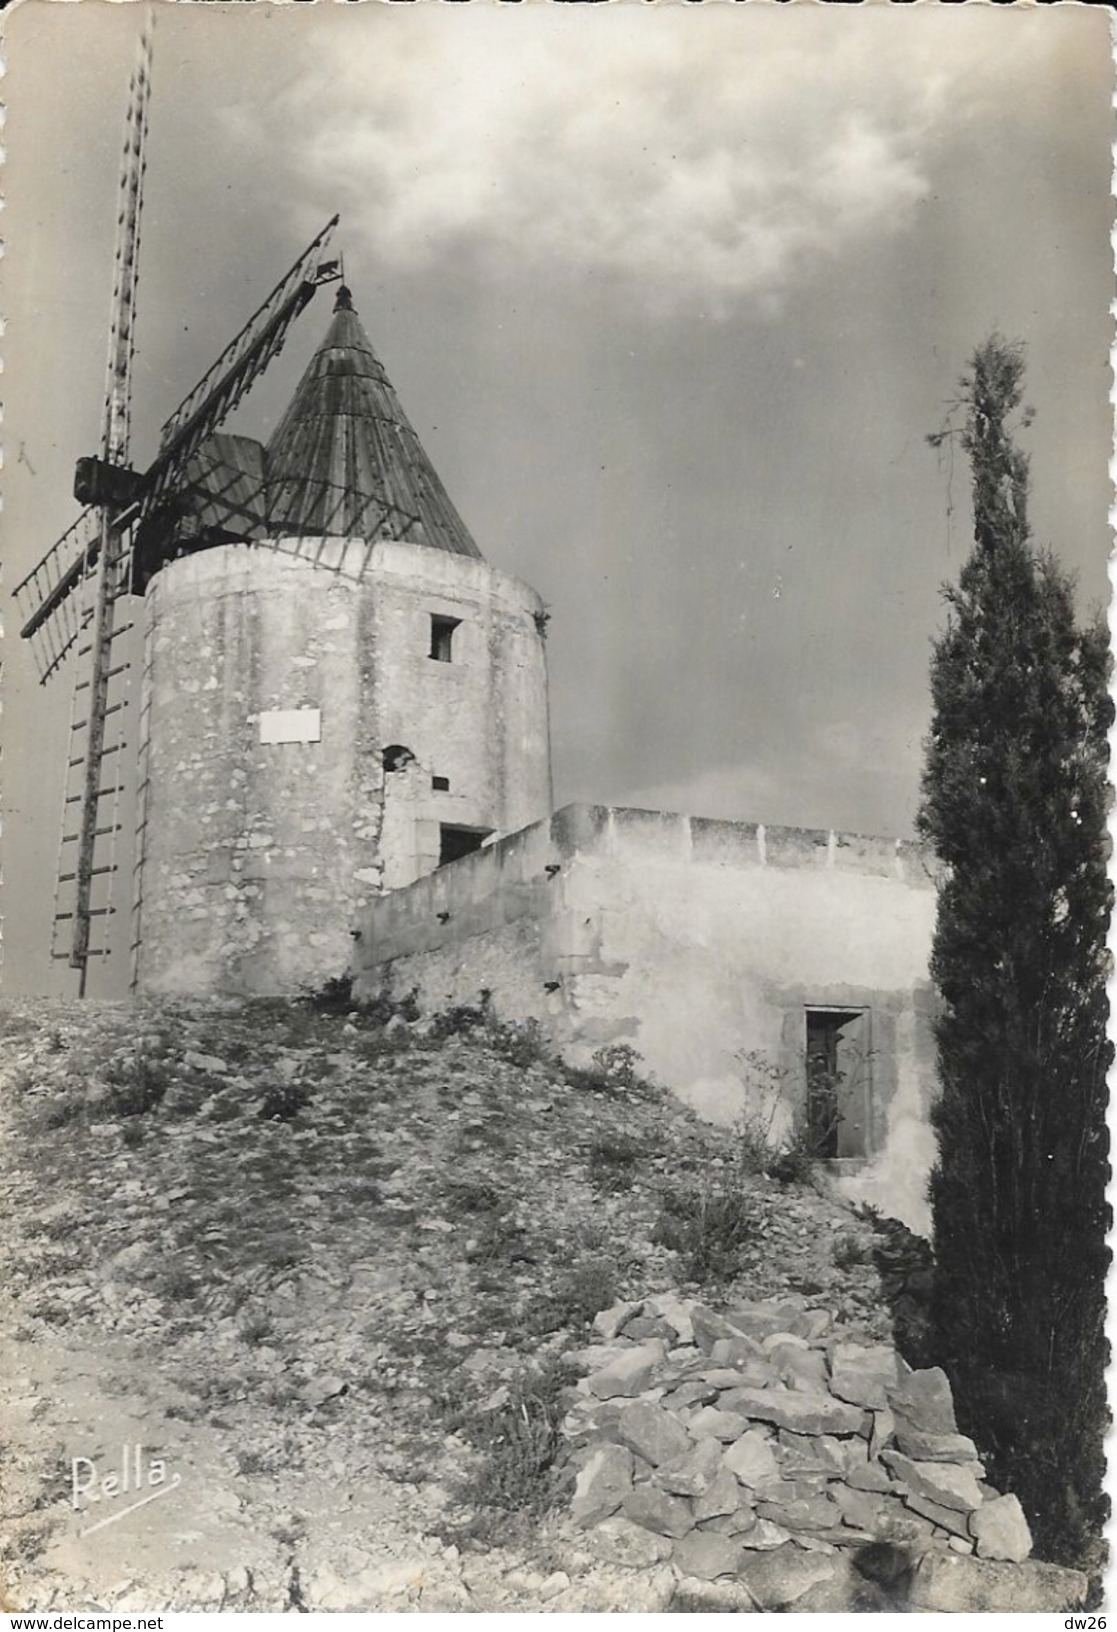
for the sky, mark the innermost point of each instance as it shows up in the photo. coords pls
(673, 296)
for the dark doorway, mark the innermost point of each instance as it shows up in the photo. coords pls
(837, 1057)
(442, 638)
(455, 842)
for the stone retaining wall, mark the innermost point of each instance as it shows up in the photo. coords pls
(763, 1448)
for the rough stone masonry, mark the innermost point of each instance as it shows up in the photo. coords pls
(761, 1448)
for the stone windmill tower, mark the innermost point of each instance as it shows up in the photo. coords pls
(335, 702)
(337, 694)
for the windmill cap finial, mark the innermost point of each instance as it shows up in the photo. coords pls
(344, 301)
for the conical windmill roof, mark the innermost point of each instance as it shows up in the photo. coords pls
(345, 460)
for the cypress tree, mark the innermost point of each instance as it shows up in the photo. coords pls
(1014, 805)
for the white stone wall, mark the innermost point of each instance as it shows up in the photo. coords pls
(256, 856)
(699, 943)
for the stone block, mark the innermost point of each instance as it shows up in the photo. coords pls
(941, 1482)
(602, 1484)
(777, 1582)
(862, 1374)
(655, 1510)
(694, 1392)
(803, 1413)
(706, 1555)
(608, 1323)
(724, 1495)
(629, 1374)
(764, 1536)
(653, 1433)
(871, 1477)
(619, 1541)
(1000, 1530)
(951, 1583)
(934, 1447)
(946, 1518)
(712, 1423)
(735, 1352)
(692, 1474)
(924, 1401)
(752, 1458)
(805, 1513)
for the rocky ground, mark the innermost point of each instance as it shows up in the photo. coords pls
(317, 1272)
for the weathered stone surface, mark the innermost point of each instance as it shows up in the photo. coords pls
(812, 1453)
(595, 1355)
(870, 1477)
(752, 1458)
(764, 1536)
(946, 1518)
(924, 1401)
(712, 1423)
(655, 1510)
(619, 1541)
(693, 1473)
(934, 1447)
(1000, 1530)
(653, 1433)
(883, 1431)
(609, 1322)
(862, 1509)
(709, 1327)
(694, 1392)
(761, 1320)
(643, 1327)
(724, 1495)
(812, 1324)
(738, 1523)
(862, 1373)
(780, 1340)
(802, 1413)
(629, 1374)
(803, 1369)
(602, 1484)
(676, 1312)
(779, 1580)
(706, 1555)
(942, 1482)
(950, 1583)
(735, 1352)
(809, 1513)
(721, 1597)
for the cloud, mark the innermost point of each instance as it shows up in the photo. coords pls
(692, 158)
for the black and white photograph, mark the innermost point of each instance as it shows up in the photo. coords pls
(556, 701)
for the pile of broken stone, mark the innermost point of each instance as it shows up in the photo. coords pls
(707, 1438)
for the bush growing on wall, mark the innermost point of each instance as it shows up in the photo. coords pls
(1014, 803)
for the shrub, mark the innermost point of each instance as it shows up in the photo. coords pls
(613, 1160)
(708, 1225)
(613, 1070)
(576, 1297)
(522, 1042)
(463, 1018)
(136, 1088)
(283, 1101)
(519, 1446)
(849, 1250)
(334, 996)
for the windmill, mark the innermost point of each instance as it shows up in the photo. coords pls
(198, 489)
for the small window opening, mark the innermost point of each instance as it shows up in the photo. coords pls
(838, 1100)
(442, 637)
(440, 784)
(455, 842)
(397, 757)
